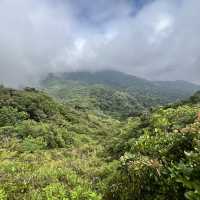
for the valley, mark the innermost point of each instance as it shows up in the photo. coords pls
(82, 143)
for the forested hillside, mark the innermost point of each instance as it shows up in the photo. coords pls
(52, 151)
(117, 94)
(48, 150)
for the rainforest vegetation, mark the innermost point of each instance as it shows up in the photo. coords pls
(115, 93)
(93, 147)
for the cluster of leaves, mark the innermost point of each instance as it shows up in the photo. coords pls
(159, 156)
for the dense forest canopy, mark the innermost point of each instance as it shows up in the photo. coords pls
(115, 93)
(52, 150)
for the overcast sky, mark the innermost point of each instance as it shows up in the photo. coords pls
(154, 39)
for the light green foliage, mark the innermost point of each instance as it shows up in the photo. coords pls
(49, 150)
(55, 191)
(164, 161)
(3, 195)
(11, 116)
(80, 194)
(52, 151)
(32, 144)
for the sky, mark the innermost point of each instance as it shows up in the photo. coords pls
(153, 39)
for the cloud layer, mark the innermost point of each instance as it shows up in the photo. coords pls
(159, 40)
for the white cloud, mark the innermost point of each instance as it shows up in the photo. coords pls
(161, 41)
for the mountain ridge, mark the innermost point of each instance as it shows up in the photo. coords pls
(115, 92)
(77, 75)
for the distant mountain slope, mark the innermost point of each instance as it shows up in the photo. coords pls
(115, 92)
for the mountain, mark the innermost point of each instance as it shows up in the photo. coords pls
(51, 150)
(115, 93)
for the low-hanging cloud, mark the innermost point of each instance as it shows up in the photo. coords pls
(157, 41)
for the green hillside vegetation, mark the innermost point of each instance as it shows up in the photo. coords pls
(114, 93)
(55, 151)
(159, 155)
(98, 98)
(48, 150)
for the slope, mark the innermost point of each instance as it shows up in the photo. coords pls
(52, 151)
(115, 93)
(49, 150)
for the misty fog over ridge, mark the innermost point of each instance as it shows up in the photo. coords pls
(158, 40)
(71, 82)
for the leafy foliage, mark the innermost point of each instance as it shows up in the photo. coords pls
(117, 94)
(43, 147)
(51, 151)
(163, 162)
